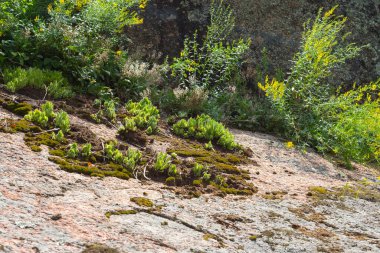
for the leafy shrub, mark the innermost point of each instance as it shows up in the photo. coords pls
(73, 151)
(133, 156)
(144, 116)
(203, 127)
(46, 115)
(346, 124)
(216, 61)
(107, 109)
(355, 131)
(82, 39)
(51, 81)
(62, 121)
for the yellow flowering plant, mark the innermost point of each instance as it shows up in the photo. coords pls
(344, 124)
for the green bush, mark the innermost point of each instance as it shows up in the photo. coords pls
(355, 131)
(84, 40)
(48, 109)
(215, 62)
(203, 127)
(344, 124)
(51, 81)
(143, 115)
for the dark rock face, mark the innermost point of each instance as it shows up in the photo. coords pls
(276, 25)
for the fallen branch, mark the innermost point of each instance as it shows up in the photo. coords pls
(47, 131)
(182, 222)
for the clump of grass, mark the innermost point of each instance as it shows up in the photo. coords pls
(52, 81)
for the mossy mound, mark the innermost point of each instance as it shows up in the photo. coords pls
(99, 248)
(120, 212)
(140, 201)
(87, 168)
(20, 109)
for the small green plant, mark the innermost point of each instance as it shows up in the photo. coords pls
(38, 118)
(219, 180)
(162, 163)
(86, 150)
(205, 128)
(206, 177)
(129, 160)
(209, 146)
(198, 170)
(73, 151)
(43, 116)
(48, 109)
(62, 121)
(60, 137)
(144, 116)
(133, 156)
(107, 104)
(172, 171)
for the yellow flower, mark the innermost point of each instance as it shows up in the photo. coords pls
(50, 7)
(37, 18)
(330, 12)
(61, 1)
(289, 145)
(118, 53)
(143, 4)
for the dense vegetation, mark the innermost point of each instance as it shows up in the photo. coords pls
(68, 47)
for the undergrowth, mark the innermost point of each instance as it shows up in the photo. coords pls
(51, 82)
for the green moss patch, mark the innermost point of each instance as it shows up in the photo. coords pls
(20, 109)
(120, 212)
(140, 201)
(36, 148)
(99, 248)
(170, 181)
